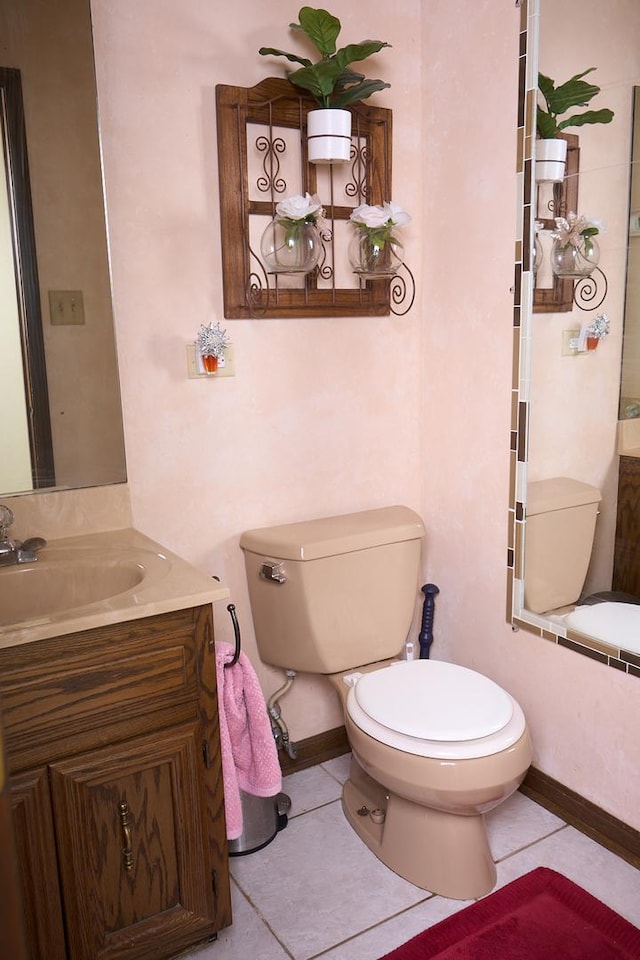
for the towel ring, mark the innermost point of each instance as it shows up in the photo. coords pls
(236, 632)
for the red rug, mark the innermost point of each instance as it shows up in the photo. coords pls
(541, 916)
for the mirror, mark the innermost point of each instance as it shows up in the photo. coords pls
(59, 390)
(566, 403)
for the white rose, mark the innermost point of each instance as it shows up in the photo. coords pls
(370, 216)
(397, 214)
(298, 207)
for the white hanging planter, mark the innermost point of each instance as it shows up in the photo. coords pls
(329, 135)
(551, 160)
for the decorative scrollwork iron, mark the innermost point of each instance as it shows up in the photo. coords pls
(357, 185)
(589, 292)
(257, 285)
(271, 182)
(402, 292)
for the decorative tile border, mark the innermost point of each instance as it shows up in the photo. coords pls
(519, 618)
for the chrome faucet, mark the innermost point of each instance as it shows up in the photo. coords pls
(14, 551)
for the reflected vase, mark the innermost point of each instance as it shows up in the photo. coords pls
(374, 258)
(290, 246)
(568, 260)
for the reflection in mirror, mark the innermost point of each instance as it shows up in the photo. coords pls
(62, 415)
(567, 455)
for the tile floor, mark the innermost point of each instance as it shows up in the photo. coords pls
(317, 892)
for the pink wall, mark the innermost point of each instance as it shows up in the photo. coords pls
(412, 410)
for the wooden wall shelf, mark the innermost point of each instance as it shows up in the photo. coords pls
(262, 158)
(559, 297)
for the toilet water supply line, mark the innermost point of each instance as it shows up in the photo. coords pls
(278, 726)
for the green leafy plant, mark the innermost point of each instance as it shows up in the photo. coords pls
(330, 80)
(576, 92)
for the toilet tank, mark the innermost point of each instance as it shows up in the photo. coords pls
(331, 594)
(561, 521)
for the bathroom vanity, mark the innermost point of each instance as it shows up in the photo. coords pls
(113, 747)
(626, 563)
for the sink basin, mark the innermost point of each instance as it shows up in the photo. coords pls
(48, 587)
(92, 580)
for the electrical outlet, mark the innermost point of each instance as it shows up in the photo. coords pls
(226, 365)
(570, 340)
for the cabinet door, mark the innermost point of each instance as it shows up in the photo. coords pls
(37, 863)
(133, 858)
(626, 563)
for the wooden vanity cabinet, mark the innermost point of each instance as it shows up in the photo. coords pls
(116, 781)
(626, 562)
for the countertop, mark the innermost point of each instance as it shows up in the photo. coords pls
(166, 583)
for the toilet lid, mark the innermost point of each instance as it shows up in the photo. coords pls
(613, 622)
(434, 700)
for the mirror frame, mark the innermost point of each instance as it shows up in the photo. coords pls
(26, 274)
(523, 316)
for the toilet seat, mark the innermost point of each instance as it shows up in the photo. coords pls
(615, 623)
(435, 709)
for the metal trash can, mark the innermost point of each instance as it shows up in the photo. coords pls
(262, 819)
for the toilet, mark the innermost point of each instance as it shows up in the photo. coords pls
(561, 522)
(434, 745)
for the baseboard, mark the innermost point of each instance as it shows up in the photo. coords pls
(574, 809)
(317, 749)
(584, 815)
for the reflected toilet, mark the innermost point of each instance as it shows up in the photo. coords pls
(561, 523)
(434, 745)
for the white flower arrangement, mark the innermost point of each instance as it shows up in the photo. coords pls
(378, 221)
(307, 209)
(576, 230)
(212, 340)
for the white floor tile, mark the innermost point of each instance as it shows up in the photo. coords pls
(317, 890)
(309, 789)
(387, 936)
(595, 869)
(248, 937)
(317, 884)
(516, 823)
(339, 767)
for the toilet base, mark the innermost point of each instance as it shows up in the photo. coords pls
(447, 854)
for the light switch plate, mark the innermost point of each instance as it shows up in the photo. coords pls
(66, 307)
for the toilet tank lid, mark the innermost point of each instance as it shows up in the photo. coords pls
(331, 536)
(558, 493)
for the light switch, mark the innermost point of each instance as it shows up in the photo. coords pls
(66, 307)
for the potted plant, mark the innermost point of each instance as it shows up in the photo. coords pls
(291, 242)
(551, 151)
(331, 81)
(375, 251)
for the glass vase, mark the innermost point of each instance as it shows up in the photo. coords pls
(373, 258)
(568, 260)
(290, 246)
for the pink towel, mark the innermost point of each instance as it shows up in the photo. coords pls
(249, 752)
